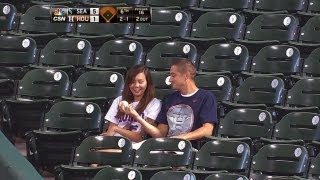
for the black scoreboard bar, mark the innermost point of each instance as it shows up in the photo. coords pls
(106, 14)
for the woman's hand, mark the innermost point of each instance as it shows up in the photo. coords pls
(129, 110)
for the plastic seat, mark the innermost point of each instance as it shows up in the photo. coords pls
(64, 127)
(157, 154)
(111, 173)
(36, 91)
(16, 54)
(36, 23)
(165, 25)
(314, 170)
(118, 55)
(54, 2)
(99, 33)
(161, 83)
(228, 59)
(226, 5)
(270, 29)
(9, 12)
(180, 4)
(312, 10)
(279, 160)
(309, 36)
(226, 176)
(163, 54)
(312, 64)
(303, 96)
(258, 92)
(173, 175)
(221, 155)
(68, 54)
(99, 90)
(277, 60)
(216, 26)
(102, 150)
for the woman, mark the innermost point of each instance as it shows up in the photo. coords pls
(139, 93)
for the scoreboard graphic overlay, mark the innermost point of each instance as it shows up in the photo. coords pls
(108, 14)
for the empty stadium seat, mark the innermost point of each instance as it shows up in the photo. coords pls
(113, 2)
(102, 150)
(269, 29)
(226, 176)
(99, 90)
(279, 160)
(16, 54)
(173, 175)
(258, 92)
(312, 10)
(163, 54)
(228, 59)
(180, 4)
(165, 25)
(111, 173)
(314, 171)
(63, 128)
(118, 55)
(161, 83)
(36, 23)
(68, 54)
(8, 17)
(36, 90)
(216, 26)
(99, 33)
(157, 154)
(221, 155)
(311, 64)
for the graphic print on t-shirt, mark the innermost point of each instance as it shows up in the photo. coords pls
(180, 119)
(128, 123)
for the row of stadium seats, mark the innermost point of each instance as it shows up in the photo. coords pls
(154, 155)
(166, 25)
(75, 56)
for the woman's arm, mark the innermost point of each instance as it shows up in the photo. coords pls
(133, 136)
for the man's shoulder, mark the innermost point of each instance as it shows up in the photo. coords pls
(172, 95)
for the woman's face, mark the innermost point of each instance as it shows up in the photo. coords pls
(138, 86)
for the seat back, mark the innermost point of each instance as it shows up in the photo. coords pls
(173, 175)
(226, 176)
(218, 24)
(104, 150)
(161, 83)
(163, 54)
(280, 27)
(314, 6)
(119, 53)
(109, 85)
(309, 33)
(253, 123)
(280, 159)
(37, 20)
(162, 152)
(16, 53)
(225, 57)
(277, 59)
(183, 4)
(298, 125)
(44, 83)
(73, 116)
(262, 90)
(233, 156)
(8, 17)
(314, 171)
(116, 29)
(305, 92)
(226, 4)
(285, 5)
(173, 23)
(219, 85)
(66, 51)
(312, 63)
(110, 173)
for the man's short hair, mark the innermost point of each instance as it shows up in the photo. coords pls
(185, 66)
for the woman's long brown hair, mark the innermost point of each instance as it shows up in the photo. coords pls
(127, 94)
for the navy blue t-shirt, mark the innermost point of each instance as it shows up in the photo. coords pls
(184, 114)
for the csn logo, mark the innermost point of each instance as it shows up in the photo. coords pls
(60, 15)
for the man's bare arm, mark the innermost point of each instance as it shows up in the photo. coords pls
(205, 130)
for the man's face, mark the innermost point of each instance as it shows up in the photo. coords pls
(177, 79)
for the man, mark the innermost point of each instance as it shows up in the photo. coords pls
(189, 113)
